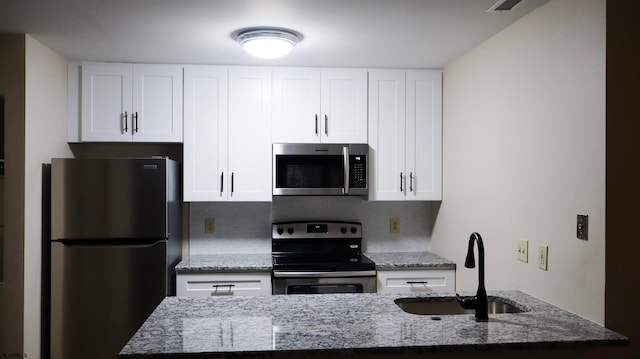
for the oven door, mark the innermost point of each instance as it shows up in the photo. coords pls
(324, 282)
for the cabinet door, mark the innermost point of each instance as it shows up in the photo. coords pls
(249, 126)
(424, 135)
(344, 106)
(157, 103)
(205, 133)
(106, 103)
(296, 105)
(387, 135)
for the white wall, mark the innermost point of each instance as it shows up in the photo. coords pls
(45, 137)
(524, 152)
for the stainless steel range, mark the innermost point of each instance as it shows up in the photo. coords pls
(319, 258)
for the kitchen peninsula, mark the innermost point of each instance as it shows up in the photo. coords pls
(360, 325)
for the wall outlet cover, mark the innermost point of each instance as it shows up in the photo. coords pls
(582, 227)
(543, 257)
(523, 250)
(394, 225)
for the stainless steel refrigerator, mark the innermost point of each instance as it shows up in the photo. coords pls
(115, 240)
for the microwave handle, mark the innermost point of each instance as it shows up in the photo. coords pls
(345, 153)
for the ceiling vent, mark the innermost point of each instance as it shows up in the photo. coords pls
(505, 5)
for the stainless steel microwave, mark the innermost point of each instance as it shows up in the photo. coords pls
(320, 169)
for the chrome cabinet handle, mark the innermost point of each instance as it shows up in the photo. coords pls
(326, 125)
(410, 181)
(223, 286)
(232, 182)
(135, 118)
(222, 289)
(221, 182)
(126, 122)
(401, 189)
(316, 124)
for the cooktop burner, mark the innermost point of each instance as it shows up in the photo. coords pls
(322, 263)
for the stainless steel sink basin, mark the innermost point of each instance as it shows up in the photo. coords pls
(450, 306)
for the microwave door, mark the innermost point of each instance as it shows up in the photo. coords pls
(309, 174)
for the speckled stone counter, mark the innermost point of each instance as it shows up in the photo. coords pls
(410, 260)
(361, 325)
(225, 263)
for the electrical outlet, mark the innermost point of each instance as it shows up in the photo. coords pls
(582, 227)
(543, 256)
(523, 250)
(394, 225)
(209, 225)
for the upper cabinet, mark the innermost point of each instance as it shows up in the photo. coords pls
(124, 103)
(319, 105)
(405, 135)
(227, 134)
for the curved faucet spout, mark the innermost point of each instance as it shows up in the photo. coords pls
(479, 302)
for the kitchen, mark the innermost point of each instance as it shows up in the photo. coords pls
(482, 204)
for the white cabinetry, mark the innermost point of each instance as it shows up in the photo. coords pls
(125, 103)
(405, 135)
(227, 141)
(215, 284)
(319, 105)
(416, 281)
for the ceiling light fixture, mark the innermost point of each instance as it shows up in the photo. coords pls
(267, 43)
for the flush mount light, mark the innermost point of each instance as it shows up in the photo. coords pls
(267, 43)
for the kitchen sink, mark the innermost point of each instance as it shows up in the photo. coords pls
(450, 306)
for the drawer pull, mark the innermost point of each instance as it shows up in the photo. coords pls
(223, 286)
(418, 282)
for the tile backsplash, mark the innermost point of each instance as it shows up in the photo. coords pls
(246, 227)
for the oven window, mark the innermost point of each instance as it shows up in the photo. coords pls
(326, 171)
(324, 288)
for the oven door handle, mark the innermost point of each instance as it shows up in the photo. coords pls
(284, 274)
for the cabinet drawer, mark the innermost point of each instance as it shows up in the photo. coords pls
(208, 284)
(416, 281)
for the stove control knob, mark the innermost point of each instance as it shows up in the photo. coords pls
(290, 230)
(354, 230)
(280, 230)
(343, 230)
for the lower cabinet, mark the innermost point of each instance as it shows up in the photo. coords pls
(215, 284)
(416, 281)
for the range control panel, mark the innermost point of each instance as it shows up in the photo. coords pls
(332, 229)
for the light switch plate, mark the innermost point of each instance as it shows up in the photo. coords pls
(523, 250)
(209, 225)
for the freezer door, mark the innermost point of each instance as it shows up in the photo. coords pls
(101, 294)
(109, 198)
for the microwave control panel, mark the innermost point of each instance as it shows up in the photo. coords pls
(358, 171)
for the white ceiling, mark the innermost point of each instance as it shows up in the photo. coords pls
(357, 33)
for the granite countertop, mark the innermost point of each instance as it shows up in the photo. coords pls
(225, 263)
(262, 262)
(349, 325)
(410, 260)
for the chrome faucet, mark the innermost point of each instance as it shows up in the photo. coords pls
(479, 302)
